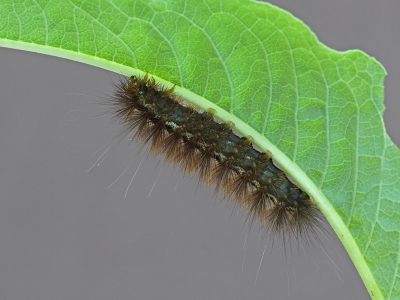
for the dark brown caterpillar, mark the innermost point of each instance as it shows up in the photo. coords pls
(193, 139)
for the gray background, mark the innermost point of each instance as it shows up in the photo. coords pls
(64, 235)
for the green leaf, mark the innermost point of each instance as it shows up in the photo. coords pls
(318, 111)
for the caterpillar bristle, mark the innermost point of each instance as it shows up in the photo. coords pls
(239, 187)
(192, 139)
(205, 165)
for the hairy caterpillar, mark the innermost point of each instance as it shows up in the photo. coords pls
(195, 141)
